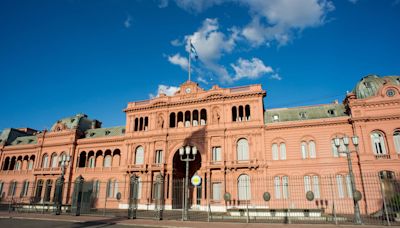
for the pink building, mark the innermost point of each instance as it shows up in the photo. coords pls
(242, 149)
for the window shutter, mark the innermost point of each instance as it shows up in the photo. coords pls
(275, 152)
(283, 151)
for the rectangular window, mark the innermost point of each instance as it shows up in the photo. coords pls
(339, 180)
(348, 186)
(24, 191)
(277, 185)
(159, 157)
(275, 155)
(216, 153)
(316, 187)
(285, 187)
(283, 151)
(216, 191)
(307, 184)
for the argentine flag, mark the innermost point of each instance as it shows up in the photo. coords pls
(193, 51)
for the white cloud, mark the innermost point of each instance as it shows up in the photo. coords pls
(271, 20)
(177, 43)
(210, 42)
(165, 89)
(128, 21)
(177, 59)
(276, 77)
(251, 69)
(162, 3)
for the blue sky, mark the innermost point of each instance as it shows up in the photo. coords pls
(59, 58)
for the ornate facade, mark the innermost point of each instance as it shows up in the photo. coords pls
(237, 140)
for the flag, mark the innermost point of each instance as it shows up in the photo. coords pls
(193, 51)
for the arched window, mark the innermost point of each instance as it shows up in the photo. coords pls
(45, 161)
(247, 112)
(242, 150)
(241, 115)
(91, 162)
(136, 124)
(311, 149)
(195, 118)
(304, 150)
(187, 119)
(285, 187)
(107, 161)
(139, 155)
(172, 120)
(275, 155)
(244, 190)
(146, 123)
(180, 119)
(396, 139)
(203, 117)
(234, 114)
(141, 124)
(54, 160)
(282, 148)
(30, 165)
(18, 165)
(6, 163)
(378, 143)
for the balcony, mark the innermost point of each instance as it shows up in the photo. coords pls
(382, 156)
(138, 168)
(157, 166)
(15, 172)
(51, 170)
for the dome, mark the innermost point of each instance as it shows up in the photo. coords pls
(369, 85)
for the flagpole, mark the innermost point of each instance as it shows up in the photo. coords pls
(190, 50)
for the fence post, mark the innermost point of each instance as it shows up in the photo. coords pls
(384, 200)
(133, 185)
(58, 194)
(79, 182)
(159, 197)
(333, 201)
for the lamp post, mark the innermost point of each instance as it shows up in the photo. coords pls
(60, 183)
(346, 142)
(187, 150)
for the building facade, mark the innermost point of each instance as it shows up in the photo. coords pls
(240, 147)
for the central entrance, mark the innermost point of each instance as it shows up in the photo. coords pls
(178, 180)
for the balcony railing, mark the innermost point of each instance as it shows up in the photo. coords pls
(382, 156)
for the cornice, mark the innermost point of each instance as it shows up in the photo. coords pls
(194, 101)
(101, 140)
(375, 118)
(375, 104)
(308, 123)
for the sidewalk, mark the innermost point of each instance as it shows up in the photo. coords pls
(154, 223)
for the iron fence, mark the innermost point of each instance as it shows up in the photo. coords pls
(268, 199)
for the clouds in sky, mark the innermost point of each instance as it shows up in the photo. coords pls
(271, 22)
(128, 21)
(164, 89)
(177, 59)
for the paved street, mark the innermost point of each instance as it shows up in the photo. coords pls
(29, 223)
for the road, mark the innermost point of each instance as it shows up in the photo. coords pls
(29, 223)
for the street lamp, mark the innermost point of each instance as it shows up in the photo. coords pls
(354, 139)
(63, 160)
(187, 151)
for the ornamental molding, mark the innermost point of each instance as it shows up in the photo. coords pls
(307, 124)
(207, 99)
(100, 140)
(375, 118)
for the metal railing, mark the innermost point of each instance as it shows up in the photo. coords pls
(267, 199)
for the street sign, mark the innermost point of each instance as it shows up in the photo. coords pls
(196, 180)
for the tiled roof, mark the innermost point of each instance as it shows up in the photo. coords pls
(304, 113)
(105, 132)
(25, 140)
